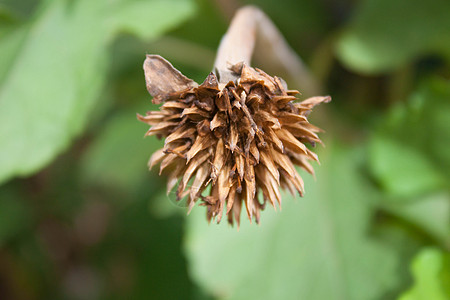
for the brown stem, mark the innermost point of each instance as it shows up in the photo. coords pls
(252, 30)
(238, 43)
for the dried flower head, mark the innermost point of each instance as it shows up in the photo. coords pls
(239, 138)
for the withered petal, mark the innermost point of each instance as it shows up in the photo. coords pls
(282, 100)
(268, 162)
(283, 162)
(176, 105)
(161, 127)
(286, 117)
(302, 161)
(267, 119)
(224, 182)
(156, 157)
(200, 179)
(272, 136)
(180, 133)
(299, 131)
(218, 121)
(167, 161)
(174, 177)
(313, 101)
(195, 112)
(254, 151)
(250, 189)
(151, 119)
(240, 164)
(219, 160)
(290, 141)
(192, 167)
(233, 137)
(231, 197)
(201, 143)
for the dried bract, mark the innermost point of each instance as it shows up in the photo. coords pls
(242, 138)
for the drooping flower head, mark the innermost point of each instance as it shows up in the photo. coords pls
(229, 144)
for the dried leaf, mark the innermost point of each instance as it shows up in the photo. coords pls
(163, 79)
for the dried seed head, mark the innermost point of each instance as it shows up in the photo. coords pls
(239, 138)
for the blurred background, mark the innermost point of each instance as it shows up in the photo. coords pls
(81, 217)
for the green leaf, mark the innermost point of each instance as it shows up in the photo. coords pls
(386, 34)
(431, 270)
(19, 9)
(402, 170)
(7, 18)
(408, 153)
(52, 72)
(118, 157)
(315, 248)
(431, 213)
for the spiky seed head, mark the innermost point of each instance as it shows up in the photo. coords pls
(241, 139)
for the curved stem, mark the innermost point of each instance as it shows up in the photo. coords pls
(251, 30)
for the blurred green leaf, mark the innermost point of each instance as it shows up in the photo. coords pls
(431, 270)
(7, 18)
(20, 9)
(206, 28)
(52, 71)
(386, 34)
(118, 157)
(409, 152)
(430, 213)
(315, 248)
(402, 170)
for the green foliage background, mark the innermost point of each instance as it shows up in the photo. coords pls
(82, 218)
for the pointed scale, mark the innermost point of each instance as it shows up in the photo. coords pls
(192, 167)
(250, 188)
(200, 179)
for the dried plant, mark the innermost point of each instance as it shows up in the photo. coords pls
(240, 133)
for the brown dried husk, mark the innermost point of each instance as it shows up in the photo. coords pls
(242, 138)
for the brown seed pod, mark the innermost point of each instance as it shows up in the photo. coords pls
(239, 138)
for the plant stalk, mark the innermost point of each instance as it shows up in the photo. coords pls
(251, 31)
